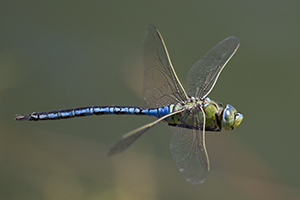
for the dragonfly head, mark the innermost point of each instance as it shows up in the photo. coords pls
(231, 118)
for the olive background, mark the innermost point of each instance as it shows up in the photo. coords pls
(65, 54)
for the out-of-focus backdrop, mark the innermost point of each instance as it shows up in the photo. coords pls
(65, 54)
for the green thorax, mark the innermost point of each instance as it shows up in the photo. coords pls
(192, 116)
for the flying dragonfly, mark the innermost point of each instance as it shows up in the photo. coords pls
(192, 113)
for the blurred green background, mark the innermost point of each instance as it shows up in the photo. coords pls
(64, 54)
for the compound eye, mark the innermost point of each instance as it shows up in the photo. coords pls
(231, 118)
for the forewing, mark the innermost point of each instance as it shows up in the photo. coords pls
(189, 151)
(204, 73)
(161, 85)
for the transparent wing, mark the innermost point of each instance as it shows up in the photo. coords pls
(161, 85)
(204, 73)
(189, 151)
(132, 136)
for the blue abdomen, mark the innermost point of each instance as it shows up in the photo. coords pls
(97, 110)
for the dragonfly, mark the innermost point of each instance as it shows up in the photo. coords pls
(192, 113)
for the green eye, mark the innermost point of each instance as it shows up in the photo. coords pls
(231, 118)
